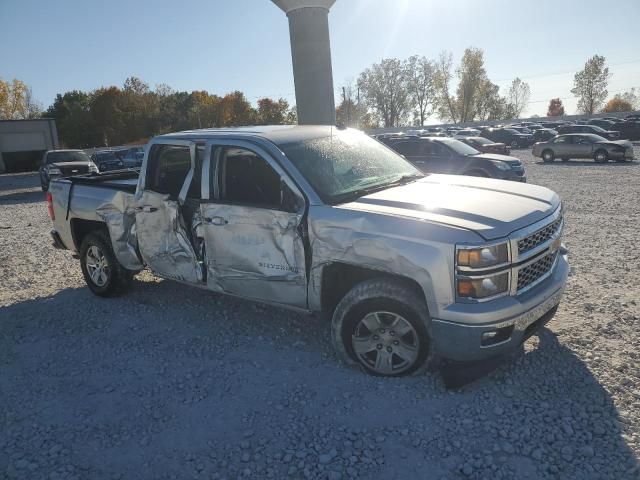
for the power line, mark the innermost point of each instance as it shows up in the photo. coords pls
(563, 73)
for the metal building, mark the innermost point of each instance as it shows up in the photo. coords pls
(22, 143)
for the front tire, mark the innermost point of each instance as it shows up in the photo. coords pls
(104, 275)
(383, 326)
(548, 156)
(600, 156)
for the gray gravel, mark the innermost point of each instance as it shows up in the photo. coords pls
(171, 382)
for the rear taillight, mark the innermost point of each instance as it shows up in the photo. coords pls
(52, 214)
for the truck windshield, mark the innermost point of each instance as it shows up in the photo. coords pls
(61, 157)
(348, 164)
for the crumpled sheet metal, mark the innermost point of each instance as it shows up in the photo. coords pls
(119, 215)
(165, 245)
(385, 243)
(258, 254)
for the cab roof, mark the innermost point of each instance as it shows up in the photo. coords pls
(278, 134)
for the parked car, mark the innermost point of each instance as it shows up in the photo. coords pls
(485, 145)
(588, 145)
(629, 130)
(320, 219)
(132, 157)
(448, 155)
(544, 134)
(633, 116)
(523, 130)
(64, 163)
(107, 160)
(467, 132)
(602, 123)
(509, 136)
(594, 129)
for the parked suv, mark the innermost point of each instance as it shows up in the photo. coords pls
(594, 129)
(584, 146)
(64, 163)
(485, 145)
(448, 155)
(509, 136)
(107, 160)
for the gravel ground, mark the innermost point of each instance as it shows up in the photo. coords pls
(173, 382)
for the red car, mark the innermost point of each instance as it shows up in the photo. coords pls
(485, 145)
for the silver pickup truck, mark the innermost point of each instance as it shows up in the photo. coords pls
(322, 219)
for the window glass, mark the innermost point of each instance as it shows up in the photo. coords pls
(63, 157)
(169, 165)
(248, 179)
(407, 148)
(565, 139)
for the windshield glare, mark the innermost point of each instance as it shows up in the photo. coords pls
(347, 162)
(62, 157)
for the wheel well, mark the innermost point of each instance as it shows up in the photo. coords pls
(339, 278)
(81, 228)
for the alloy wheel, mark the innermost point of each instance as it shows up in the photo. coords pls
(386, 343)
(97, 266)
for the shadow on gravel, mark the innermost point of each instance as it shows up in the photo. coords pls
(209, 387)
(578, 163)
(18, 198)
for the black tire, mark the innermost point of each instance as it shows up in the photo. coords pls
(600, 156)
(514, 144)
(548, 156)
(116, 278)
(390, 299)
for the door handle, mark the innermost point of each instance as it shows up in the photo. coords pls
(218, 221)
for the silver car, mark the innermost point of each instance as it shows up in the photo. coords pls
(583, 145)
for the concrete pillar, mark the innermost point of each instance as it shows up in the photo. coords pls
(311, 56)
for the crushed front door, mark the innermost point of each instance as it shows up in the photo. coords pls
(163, 237)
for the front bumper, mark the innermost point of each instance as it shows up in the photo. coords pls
(463, 340)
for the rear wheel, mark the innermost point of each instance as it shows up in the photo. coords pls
(382, 326)
(104, 275)
(600, 156)
(514, 144)
(548, 156)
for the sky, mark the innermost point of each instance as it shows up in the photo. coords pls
(226, 45)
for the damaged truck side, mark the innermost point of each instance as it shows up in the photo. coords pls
(408, 266)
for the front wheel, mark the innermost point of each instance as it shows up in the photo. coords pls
(383, 326)
(104, 275)
(600, 156)
(548, 156)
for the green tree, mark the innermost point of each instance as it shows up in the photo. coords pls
(420, 73)
(383, 87)
(272, 112)
(590, 85)
(74, 121)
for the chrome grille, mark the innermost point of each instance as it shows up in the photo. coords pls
(70, 171)
(539, 237)
(529, 274)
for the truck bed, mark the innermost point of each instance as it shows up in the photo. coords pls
(125, 180)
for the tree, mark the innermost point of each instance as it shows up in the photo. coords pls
(420, 73)
(518, 97)
(617, 104)
(590, 85)
(471, 75)
(74, 121)
(630, 97)
(350, 111)
(15, 98)
(446, 104)
(556, 109)
(489, 104)
(384, 89)
(272, 112)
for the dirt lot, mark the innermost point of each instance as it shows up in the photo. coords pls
(172, 382)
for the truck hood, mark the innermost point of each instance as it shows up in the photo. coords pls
(491, 208)
(70, 164)
(497, 156)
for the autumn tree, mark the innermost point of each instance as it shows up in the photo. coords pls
(443, 76)
(272, 112)
(420, 73)
(383, 87)
(590, 85)
(518, 97)
(617, 104)
(16, 101)
(556, 109)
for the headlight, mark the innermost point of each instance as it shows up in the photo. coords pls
(501, 165)
(483, 287)
(482, 257)
(54, 171)
(93, 168)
